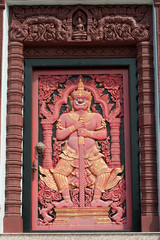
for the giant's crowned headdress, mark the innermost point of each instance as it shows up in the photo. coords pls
(80, 91)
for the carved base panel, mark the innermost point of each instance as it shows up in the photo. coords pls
(82, 218)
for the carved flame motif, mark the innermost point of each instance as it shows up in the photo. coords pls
(107, 91)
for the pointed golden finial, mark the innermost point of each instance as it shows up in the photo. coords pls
(80, 85)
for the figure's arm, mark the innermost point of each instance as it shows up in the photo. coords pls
(62, 131)
(100, 132)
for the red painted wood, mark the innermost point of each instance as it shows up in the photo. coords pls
(80, 223)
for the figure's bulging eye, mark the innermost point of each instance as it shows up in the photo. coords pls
(84, 99)
(77, 99)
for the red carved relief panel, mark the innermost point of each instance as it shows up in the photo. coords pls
(81, 171)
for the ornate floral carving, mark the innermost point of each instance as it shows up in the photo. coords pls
(46, 198)
(46, 195)
(57, 146)
(79, 24)
(118, 29)
(89, 196)
(47, 85)
(40, 29)
(75, 197)
(118, 196)
(105, 146)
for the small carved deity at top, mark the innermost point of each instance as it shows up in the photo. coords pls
(80, 26)
(79, 33)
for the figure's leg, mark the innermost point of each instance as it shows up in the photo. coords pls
(99, 188)
(63, 186)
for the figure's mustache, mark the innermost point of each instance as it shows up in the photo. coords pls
(80, 104)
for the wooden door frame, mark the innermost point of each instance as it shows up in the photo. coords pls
(29, 66)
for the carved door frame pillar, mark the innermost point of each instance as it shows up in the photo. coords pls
(147, 136)
(23, 33)
(14, 138)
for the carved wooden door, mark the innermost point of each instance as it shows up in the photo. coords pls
(81, 176)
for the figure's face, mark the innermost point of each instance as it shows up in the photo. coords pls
(81, 103)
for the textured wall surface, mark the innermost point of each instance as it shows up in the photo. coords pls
(86, 236)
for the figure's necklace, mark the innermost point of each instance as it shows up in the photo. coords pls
(85, 118)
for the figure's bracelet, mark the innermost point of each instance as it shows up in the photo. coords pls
(90, 134)
(72, 128)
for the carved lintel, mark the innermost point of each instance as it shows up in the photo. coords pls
(80, 25)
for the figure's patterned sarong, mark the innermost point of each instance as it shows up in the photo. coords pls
(97, 173)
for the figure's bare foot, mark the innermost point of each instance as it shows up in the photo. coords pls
(100, 203)
(63, 204)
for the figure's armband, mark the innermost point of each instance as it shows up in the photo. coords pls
(58, 125)
(103, 125)
(90, 134)
(72, 128)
